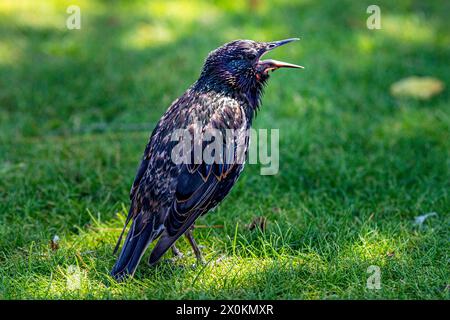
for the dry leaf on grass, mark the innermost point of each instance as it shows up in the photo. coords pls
(422, 88)
(54, 243)
(390, 254)
(258, 222)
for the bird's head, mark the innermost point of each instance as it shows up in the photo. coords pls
(239, 65)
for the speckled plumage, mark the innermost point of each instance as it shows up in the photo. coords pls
(166, 197)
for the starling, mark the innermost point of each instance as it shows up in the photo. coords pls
(168, 196)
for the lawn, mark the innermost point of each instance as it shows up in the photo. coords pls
(356, 164)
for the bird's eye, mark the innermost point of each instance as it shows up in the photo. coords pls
(251, 56)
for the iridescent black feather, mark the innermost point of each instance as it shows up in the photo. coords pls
(167, 198)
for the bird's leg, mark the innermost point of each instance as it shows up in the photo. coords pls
(197, 252)
(176, 252)
(177, 255)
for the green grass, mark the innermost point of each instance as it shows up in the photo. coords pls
(356, 164)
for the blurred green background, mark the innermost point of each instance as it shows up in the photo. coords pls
(357, 165)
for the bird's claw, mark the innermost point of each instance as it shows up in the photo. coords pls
(200, 263)
(178, 256)
(175, 259)
(219, 259)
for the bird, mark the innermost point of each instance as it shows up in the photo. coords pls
(167, 196)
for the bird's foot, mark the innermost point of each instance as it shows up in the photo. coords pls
(176, 258)
(177, 255)
(201, 262)
(219, 259)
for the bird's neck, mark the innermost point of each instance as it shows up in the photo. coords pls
(253, 94)
(248, 93)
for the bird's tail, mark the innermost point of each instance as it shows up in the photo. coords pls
(132, 251)
(163, 244)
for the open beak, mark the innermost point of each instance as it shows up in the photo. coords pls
(265, 66)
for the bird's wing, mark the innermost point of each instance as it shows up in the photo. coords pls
(132, 211)
(140, 172)
(197, 191)
(202, 186)
(143, 186)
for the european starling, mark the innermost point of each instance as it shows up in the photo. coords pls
(168, 196)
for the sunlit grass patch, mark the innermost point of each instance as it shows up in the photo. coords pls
(43, 14)
(183, 11)
(409, 29)
(147, 35)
